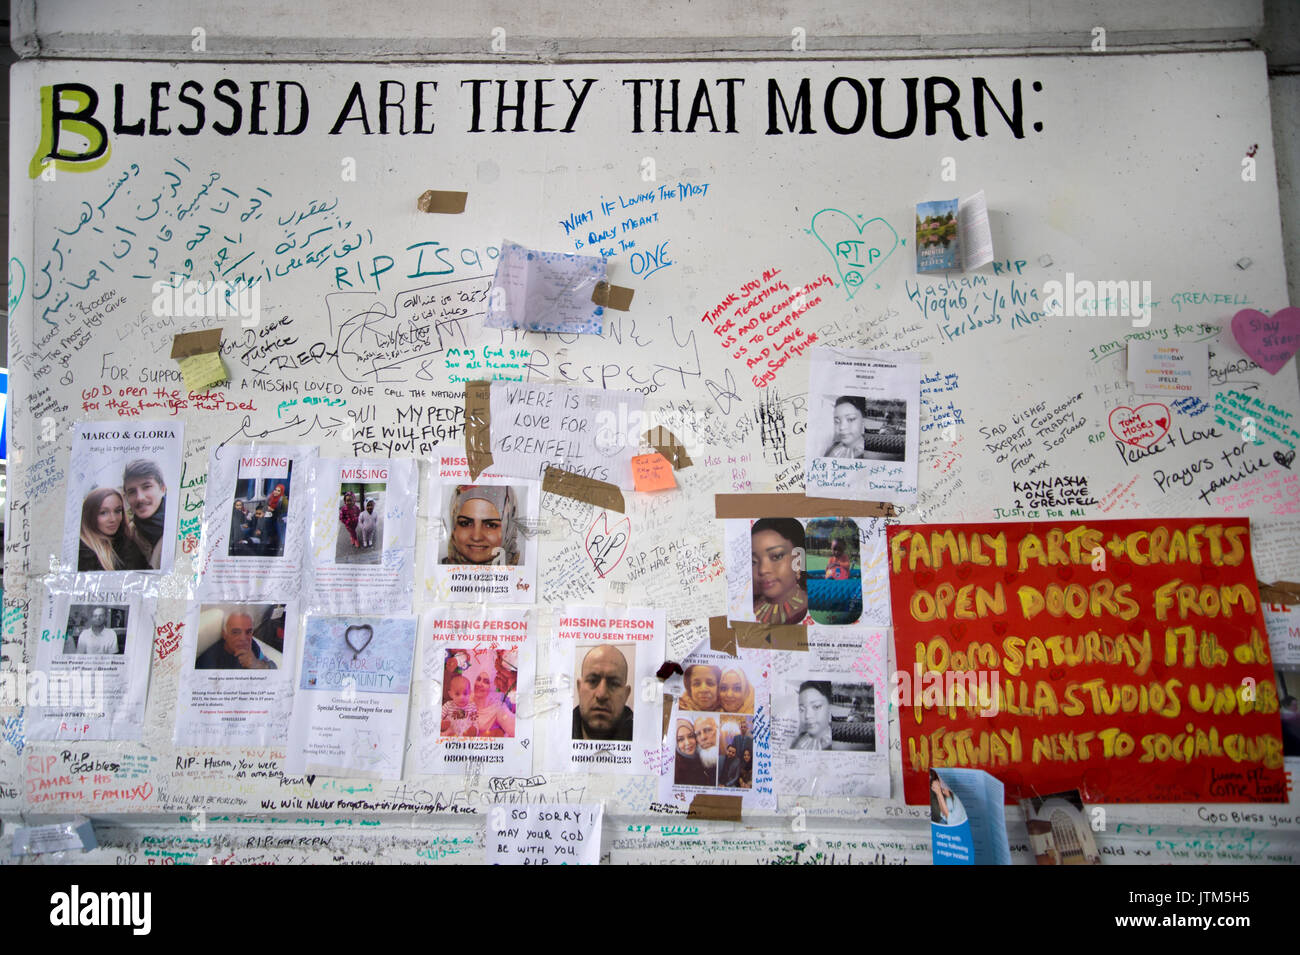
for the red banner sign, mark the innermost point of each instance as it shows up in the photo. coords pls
(1128, 659)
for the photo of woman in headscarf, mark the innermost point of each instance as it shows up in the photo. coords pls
(108, 539)
(735, 692)
(780, 584)
(688, 768)
(701, 681)
(484, 526)
(494, 718)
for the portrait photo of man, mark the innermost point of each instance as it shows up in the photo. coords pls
(236, 649)
(604, 686)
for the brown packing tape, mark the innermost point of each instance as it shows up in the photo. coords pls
(668, 713)
(189, 344)
(478, 426)
(612, 296)
(582, 488)
(722, 639)
(667, 444)
(1283, 592)
(795, 505)
(438, 200)
(770, 636)
(707, 806)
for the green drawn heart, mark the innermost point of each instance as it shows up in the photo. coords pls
(19, 280)
(857, 253)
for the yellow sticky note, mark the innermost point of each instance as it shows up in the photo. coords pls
(203, 371)
(652, 472)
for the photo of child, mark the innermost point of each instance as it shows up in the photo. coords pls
(834, 571)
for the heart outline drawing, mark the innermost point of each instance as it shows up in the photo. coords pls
(855, 277)
(1285, 460)
(1145, 428)
(613, 539)
(347, 636)
(1268, 340)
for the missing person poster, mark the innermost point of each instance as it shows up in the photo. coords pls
(477, 669)
(482, 542)
(236, 686)
(863, 425)
(830, 723)
(1131, 654)
(123, 493)
(255, 521)
(717, 741)
(362, 551)
(820, 571)
(91, 666)
(350, 708)
(605, 713)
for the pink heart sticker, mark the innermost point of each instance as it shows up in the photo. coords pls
(1142, 426)
(1269, 340)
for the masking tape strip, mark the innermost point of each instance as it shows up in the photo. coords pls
(770, 636)
(478, 426)
(668, 444)
(189, 344)
(722, 639)
(709, 806)
(795, 505)
(438, 200)
(1283, 592)
(616, 297)
(582, 488)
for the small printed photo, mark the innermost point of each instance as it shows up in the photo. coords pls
(485, 525)
(778, 566)
(1288, 695)
(695, 762)
(96, 629)
(361, 514)
(867, 429)
(122, 518)
(478, 693)
(260, 514)
(736, 757)
(724, 687)
(834, 571)
(602, 676)
(835, 716)
(945, 808)
(240, 636)
(1059, 833)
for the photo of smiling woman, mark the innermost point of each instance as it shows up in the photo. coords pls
(484, 526)
(777, 560)
(109, 540)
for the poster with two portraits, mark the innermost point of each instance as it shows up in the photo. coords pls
(240, 643)
(119, 532)
(828, 704)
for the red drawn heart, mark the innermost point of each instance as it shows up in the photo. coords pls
(1064, 572)
(999, 627)
(1142, 426)
(964, 571)
(606, 547)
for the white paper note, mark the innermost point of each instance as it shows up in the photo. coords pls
(545, 834)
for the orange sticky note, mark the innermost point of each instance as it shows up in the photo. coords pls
(652, 472)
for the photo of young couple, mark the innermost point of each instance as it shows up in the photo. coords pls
(122, 527)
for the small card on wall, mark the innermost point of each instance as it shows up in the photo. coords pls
(1179, 370)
